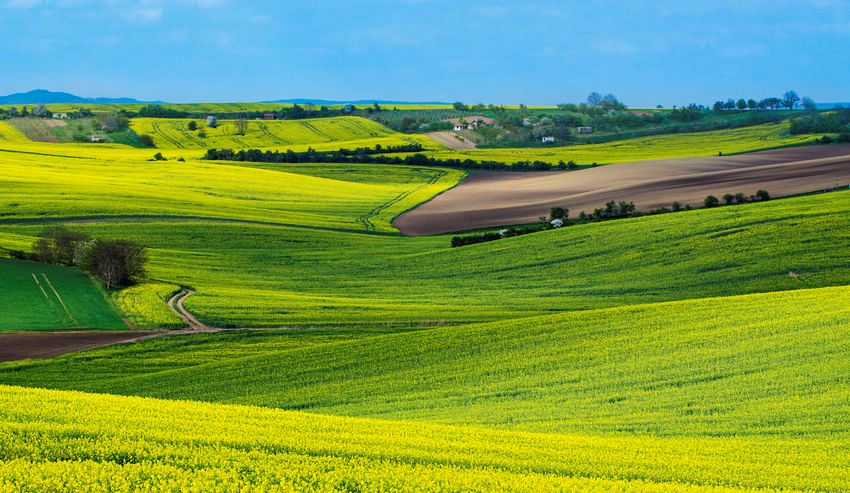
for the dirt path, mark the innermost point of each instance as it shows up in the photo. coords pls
(176, 305)
(451, 140)
(488, 199)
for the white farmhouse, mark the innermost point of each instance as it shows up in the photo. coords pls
(547, 139)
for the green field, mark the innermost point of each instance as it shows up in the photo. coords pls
(732, 141)
(174, 133)
(41, 297)
(257, 275)
(699, 351)
(68, 441)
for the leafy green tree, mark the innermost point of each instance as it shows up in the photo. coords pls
(763, 195)
(711, 201)
(790, 99)
(193, 125)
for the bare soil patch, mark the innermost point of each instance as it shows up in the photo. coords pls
(451, 140)
(488, 199)
(39, 345)
(56, 123)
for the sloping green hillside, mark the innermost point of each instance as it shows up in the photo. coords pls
(712, 367)
(38, 296)
(72, 442)
(174, 133)
(250, 275)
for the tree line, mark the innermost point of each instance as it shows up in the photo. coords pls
(789, 101)
(560, 216)
(117, 263)
(377, 155)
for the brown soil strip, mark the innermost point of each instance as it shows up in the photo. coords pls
(489, 199)
(39, 345)
(451, 140)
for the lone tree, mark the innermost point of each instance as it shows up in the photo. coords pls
(711, 201)
(790, 99)
(193, 125)
(559, 213)
(594, 99)
(241, 126)
(117, 262)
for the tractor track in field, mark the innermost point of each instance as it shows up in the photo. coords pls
(366, 220)
(274, 138)
(174, 142)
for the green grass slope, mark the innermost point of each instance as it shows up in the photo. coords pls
(763, 365)
(255, 275)
(174, 133)
(731, 141)
(73, 442)
(47, 297)
(84, 187)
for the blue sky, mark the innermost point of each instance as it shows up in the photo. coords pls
(532, 52)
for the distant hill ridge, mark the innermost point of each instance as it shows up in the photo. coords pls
(43, 96)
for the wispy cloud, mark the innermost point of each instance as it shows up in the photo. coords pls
(143, 15)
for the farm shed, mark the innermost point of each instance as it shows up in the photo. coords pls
(60, 116)
(547, 138)
(584, 130)
(269, 115)
(98, 138)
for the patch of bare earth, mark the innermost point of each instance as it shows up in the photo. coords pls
(451, 140)
(38, 345)
(56, 123)
(489, 199)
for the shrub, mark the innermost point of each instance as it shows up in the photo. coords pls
(116, 262)
(711, 201)
(740, 198)
(193, 125)
(559, 213)
(159, 157)
(146, 140)
(763, 195)
(729, 198)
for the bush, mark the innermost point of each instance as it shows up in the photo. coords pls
(117, 262)
(58, 245)
(762, 195)
(711, 201)
(559, 213)
(193, 125)
(844, 138)
(146, 140)
(159, 157)
(729, 198)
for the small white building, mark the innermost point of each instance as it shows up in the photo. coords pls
(584, 130)
(459, 127)
(98, 138)
(60, 116)
(547, 139)
(526, 122)
(556, 223)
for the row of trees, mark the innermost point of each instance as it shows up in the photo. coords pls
(789, 101)
(376, 155)
(117, 262)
